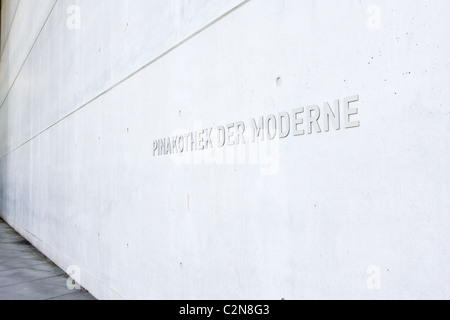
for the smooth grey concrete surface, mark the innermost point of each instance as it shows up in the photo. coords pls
(338, 214)
(26, 274)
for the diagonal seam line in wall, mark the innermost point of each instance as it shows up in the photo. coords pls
(131, 75)
(10, 27)
(28, 55)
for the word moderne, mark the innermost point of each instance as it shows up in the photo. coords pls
(298, 122)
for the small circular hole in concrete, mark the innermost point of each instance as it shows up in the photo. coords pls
(279, 81)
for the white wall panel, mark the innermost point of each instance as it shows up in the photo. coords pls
(21, 36)
(304, 221)
(69, 67)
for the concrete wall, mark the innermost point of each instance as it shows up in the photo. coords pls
(349, 213)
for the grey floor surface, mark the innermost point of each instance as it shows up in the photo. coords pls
(26, 274)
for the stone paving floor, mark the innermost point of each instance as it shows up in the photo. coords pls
(26, 274)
